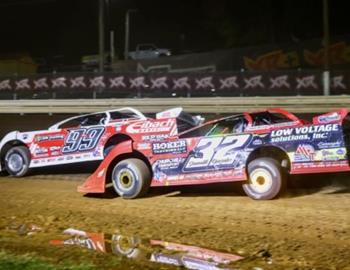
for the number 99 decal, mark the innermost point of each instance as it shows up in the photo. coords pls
(82, 139)
(217, 153)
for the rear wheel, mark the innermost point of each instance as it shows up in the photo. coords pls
(266, 179)
(131, 178)
(17, 161)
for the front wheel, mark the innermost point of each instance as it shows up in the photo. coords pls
(265, 181)
(131, 178)
(17, 161)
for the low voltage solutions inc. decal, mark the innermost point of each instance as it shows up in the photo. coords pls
(308, 133)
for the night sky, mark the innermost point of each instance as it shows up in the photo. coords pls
(64, 30)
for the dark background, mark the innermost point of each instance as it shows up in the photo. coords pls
(65, 30)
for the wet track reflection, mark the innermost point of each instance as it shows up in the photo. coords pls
(158, 251)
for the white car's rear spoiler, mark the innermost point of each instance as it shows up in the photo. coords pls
(172, 113)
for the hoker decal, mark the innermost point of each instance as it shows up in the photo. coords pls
(176, 147)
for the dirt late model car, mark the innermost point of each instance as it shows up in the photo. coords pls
(259, 149)
(87, 138)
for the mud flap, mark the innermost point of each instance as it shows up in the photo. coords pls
(96, 183)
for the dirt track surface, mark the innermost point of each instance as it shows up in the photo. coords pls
(303, 230)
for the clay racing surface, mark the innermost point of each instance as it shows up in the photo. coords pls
(306, 229)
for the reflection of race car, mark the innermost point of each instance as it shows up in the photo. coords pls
(258, 149)
(87, 138)
(133, 247)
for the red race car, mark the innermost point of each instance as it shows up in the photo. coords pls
(259, 149)
(87, 138)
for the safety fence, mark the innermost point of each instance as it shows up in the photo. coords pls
(143, 85)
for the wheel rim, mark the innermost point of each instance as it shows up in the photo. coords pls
(260, 180)
(15, 162)
(125, 245)
(124, 179)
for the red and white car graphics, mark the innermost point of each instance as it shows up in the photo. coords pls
(83, 138)
(134, 247)
(257, 148)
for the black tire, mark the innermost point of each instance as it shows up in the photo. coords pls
(17, 161)
(131, 178)
(266, 179)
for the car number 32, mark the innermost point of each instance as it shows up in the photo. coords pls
(82, 139)
(217, 152)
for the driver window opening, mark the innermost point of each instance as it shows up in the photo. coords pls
(223, 127)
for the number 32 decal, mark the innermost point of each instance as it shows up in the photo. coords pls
(82, 139)
(216, 153)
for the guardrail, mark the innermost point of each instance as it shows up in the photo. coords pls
(299, 104)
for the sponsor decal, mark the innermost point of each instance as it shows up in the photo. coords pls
(181, 83)
(338, 82)
(175, 147)
(303, 133)
(214, 174)
(307, 82)
(228, 83)
(39, 151)
(155, 137)
(42, 138)
(257, 142)
(206, 82)
(96, 153)
(118, 127)
(333, 117)
(117, 82)
(254, 82)
(279, 82)
(138, 82)
(97, 82)
(333, 154)
(341, 151)
(168, 164)
(159, 83)
(304, 152)
(151, 126)
(143, 146)
(5, 85)
(326, 145)
(316, 165)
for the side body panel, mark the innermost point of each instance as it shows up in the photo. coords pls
(314, 148)
(309, 149)
(198, 160)
(83, 144)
